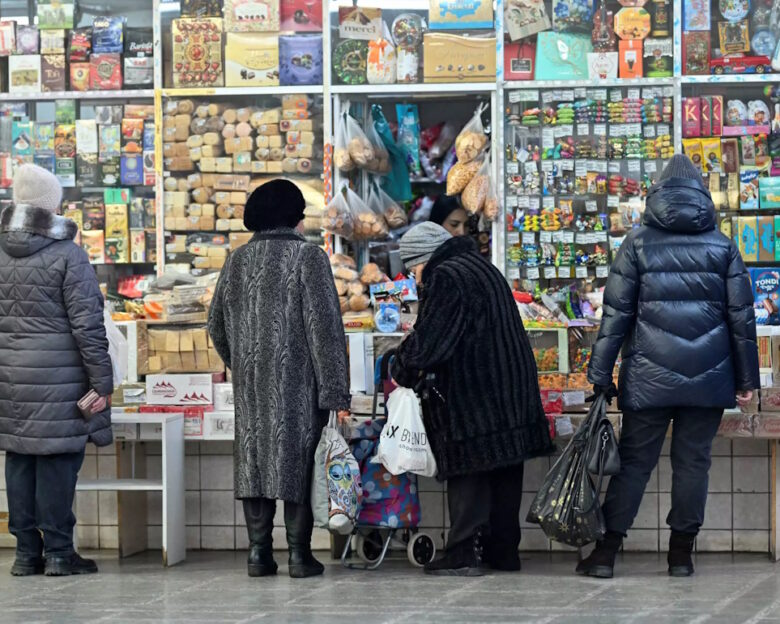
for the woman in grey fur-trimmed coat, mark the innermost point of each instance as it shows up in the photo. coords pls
(275, 320)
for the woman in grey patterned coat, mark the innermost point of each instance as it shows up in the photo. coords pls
(275, 320)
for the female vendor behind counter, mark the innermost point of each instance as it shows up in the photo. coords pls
(448, 213)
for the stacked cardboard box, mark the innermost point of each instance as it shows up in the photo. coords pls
(176, 349)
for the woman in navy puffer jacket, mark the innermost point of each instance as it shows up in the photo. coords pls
(679, 303)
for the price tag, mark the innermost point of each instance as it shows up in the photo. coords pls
(534, 204)
(531, 167)
(513, 238)
(650, 131)
(651, 166)
(583, 129)
(567, 95)
(566, 165)
(580, 93)
(616, 130)
(545, 237)
(513, 273)
(523, 201)
(564, 272)
(548, 203)
(663, 129)
(635, 130)
(599, 129)
(532, 273)
(548, 138)
(616, 95)
(548, 97)
(547, 166)
(600, 166)
(581, 272)
(668, 91)
(580, 168)
(591, 206)
(515, 96)
(511, 201)
(568, 237)
(529, 238)
(599, 237)
(591, 165)
(557, 237)
(614, 167)
(513, 168)
(634, 166)
(633, 94)
(613, 201)
(568, 129)
(602, 271)
(581, 238)
(550, 272)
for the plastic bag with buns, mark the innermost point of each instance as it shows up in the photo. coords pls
(491, 207)
(361, 150)
(459, 176)
(476, 192)
(338, 215)
(380, 164)
(341, 158)
(368, 222)
(472, 140)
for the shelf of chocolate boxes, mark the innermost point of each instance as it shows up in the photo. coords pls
(731, 38)
(215, 153)
(255, 53)
(53, 56)
(578, 165)
(736, 144)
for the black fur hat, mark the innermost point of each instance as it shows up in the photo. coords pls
(275, 204)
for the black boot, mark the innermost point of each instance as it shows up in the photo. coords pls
(299, 523)
(464, 559)
(27, 567)
(66, 566)
(259, 514)
(601, 561)
(679, 557)
(501, 556)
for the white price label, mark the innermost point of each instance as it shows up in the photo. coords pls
(580, 93)
(616, 130)
(548, 97)
(616, 95)
(548, 138)
(591, 206)
(514, 97)
(529, 238)
(600, 95)
(602, 271)
(583, 129)
(557, 237)
(663, 129)
(534, 203)
(581, 272)
(523, 201)
(550, 272)
(513, 273)
(635, 130)
(581, 238)
(633, 94)
(548, 203)
(651, 166)
(580, 168)
(650, 131)
(545, 237)
(668, 91)
(513, 168)
(511, 201)
(568, 129)
(600, 237)
(566, 165)
(547, 165)
(531, 167)
(513, 238)
(613, 201)
(564, 272)
(568, 237)
(532, 273)
(567, 95)
(599, 129)
(614, 166)
(634, 166)
(600, 166)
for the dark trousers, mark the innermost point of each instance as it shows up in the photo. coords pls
(641, 439)
(41, 489)
(298, 521)
(487, 501)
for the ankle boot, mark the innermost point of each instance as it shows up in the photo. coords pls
(601, 561)
(679, 557)
(259, 514)
(299, 523)
(463, 559)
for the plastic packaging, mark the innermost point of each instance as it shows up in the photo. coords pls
(338, 216)
(409, 136)
(394, 215)
(491, 208)
(443, 142)
(471, 141)
(460, 175)
(475, 194)
(396, 182)
(341, 157)
(369, 222)
(360, 149)
(380, 164)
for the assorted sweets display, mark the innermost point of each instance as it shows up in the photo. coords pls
(247, 43)
(731, 37)
(587, 39)
(454, 41)
(579, 163)
(215, 153)
(54, 56)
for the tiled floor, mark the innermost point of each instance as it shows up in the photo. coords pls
(212, 587)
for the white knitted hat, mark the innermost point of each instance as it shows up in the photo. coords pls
(35, 186)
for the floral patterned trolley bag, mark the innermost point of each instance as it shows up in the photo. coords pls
(336, 488)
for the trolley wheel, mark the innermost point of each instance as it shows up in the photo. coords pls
(421, 549)
(368, 547)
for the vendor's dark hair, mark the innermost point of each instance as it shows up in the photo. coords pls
(443, 207)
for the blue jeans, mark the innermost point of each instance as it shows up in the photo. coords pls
(641, 439)
(41, 489)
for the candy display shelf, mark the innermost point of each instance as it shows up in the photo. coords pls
(238, 91)
(570, 84)
(127, 94)
(732, 79)
(415, 89)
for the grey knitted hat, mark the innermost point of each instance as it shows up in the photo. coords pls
(419, 243)
(680, 166)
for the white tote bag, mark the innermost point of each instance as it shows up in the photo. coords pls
(404, 446)
(117, 349)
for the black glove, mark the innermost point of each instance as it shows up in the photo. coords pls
(608, 392)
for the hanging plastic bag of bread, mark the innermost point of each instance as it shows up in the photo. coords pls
(443, 142)
(341, 157)
(395, 216)
(338, 215)
(491, 207)
(459, 176)
(475, 194)
(472, 140)
(369, 224)
(380, 164)
(361, 151)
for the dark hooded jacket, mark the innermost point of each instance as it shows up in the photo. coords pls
(53, 345)
(679, 302)
(470, 336)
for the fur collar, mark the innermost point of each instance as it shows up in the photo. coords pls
(25, 218)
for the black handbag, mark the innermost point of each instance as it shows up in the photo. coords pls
(603, 455)
(567, 505)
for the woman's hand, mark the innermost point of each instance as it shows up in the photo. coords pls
(744, 397)
(344, 416)
(101, 403)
